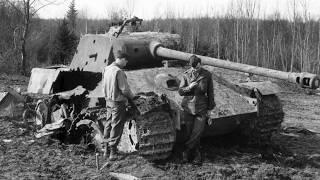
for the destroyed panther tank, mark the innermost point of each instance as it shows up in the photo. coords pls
(248, 106)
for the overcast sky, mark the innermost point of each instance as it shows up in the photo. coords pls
(147, 9)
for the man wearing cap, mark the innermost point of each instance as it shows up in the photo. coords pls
(197, 88)
(117, 92)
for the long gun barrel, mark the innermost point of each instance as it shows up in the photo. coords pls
(305, 80)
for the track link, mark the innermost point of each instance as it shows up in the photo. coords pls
(268, 121)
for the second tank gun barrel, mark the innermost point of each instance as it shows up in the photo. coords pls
(305, 80)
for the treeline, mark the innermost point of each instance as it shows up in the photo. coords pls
(26, 41)
(272, 42)
(47, 42)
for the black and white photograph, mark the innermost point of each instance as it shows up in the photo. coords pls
(160, 89)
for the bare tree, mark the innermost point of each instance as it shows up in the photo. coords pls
(293, 28)
(305, 61)
(318, 49)
(130, 7)
(218, 35)
(83, 21)
(28, 9)
(116, 14)
(257, 34)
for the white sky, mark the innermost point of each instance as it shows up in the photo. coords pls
(147, 9)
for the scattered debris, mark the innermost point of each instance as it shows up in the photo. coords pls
(289, 134)
(7, 140)
(52, 128)
(29, 142)
(122, 176)
(107, 164)
(11, 103)
(301, 130)
(97, 161)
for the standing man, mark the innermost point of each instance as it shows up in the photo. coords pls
(117, 92)
(197, 88)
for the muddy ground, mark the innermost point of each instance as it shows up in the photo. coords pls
(22, 156)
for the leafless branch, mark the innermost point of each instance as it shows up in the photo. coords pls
(15, 7)
(32, 2)
(47, 3)
(16, 35)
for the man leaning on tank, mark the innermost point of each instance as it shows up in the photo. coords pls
(197, 88)
(117, 93)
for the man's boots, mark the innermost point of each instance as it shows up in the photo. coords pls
(105, 150)
(185, 156)
(197, 157)
(113, 154)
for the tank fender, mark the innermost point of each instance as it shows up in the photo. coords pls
(41, 80)
(265, 88)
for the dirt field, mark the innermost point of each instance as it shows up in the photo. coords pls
(22, 156)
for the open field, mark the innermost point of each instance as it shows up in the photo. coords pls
(22, 156)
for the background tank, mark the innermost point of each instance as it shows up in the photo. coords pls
(251, 106)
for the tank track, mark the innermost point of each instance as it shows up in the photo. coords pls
(156, 135)
(155, 127)
(268, 121)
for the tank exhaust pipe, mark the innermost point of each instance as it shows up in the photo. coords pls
(305, 80)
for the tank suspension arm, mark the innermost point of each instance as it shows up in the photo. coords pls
(305, 80)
